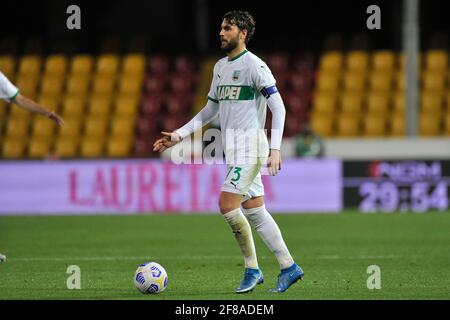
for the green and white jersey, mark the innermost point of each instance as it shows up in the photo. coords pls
(8, 91)
(236, 86)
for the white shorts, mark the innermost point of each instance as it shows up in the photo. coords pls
(245, 179)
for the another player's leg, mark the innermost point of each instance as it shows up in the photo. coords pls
(230, 208)
(263, 222)
(2, 257)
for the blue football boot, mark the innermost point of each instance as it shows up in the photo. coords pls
(287, 277)
(252, 277)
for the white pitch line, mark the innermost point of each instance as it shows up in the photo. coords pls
(358, 257)
(147, 258)
(77, 258)
(203, 257)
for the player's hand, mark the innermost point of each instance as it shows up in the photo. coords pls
(54, 117)
(168, 140)
(274, 162)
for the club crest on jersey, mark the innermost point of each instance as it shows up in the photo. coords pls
(236, 74)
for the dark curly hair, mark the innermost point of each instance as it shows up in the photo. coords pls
(243, 20)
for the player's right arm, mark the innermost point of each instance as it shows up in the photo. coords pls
(10, 93)
(32, 106)
(205, 116)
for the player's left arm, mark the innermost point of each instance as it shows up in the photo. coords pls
(32, 106)
(264, 82)
(276, 106)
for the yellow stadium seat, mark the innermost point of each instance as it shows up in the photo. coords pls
(383, 61)
(322, 124)
(30, 65)
(71, 128)
(8, 66)
(103, 85)
(348, 125)
(56, 65)
(324, 102)
(431, 102)
(66, 147)
(119, 147)
(447, 101)
(95, 127)
(99, 106)
(13, 148)
(399, 102)
(447, 124)
(130, 85)
(42, 127)
(52, 85)
(400, 80)
(357, 61)
(331, 61)
(327, 81)
(107, 64)
(82, 65)
(433, 80)
(17, 112)
(397, 125)
(27, 85)
(50, 102)
(73, 107)
(126, 106)
(436, 60)
(429, 124)
(377, 103)
(39, 147)
(133, 64)
(374, 125)
(4, 108)
(354, 81)
(122, 127)
(17, 128)
(92, 148)
(351, 102)
(78, 84)
(380, 81)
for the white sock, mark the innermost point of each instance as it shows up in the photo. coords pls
(243, 234)
(269, 232)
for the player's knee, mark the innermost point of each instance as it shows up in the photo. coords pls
(253, 203)
(225, 208)
(229, 202)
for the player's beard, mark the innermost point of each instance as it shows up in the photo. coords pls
(230, 45)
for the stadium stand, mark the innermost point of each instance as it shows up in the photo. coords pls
(361, 90)
(116, 103)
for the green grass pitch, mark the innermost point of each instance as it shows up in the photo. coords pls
(203, 261)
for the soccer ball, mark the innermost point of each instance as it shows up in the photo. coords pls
(150, 277)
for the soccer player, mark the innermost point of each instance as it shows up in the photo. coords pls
(10, 92)
(242, 86)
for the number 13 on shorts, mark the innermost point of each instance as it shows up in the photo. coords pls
(239, 179)
(236, 173)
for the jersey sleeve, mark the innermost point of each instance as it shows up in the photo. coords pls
(264, 82)
(212, 94)
(205, 116)
(261, 75)
(8, 91)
